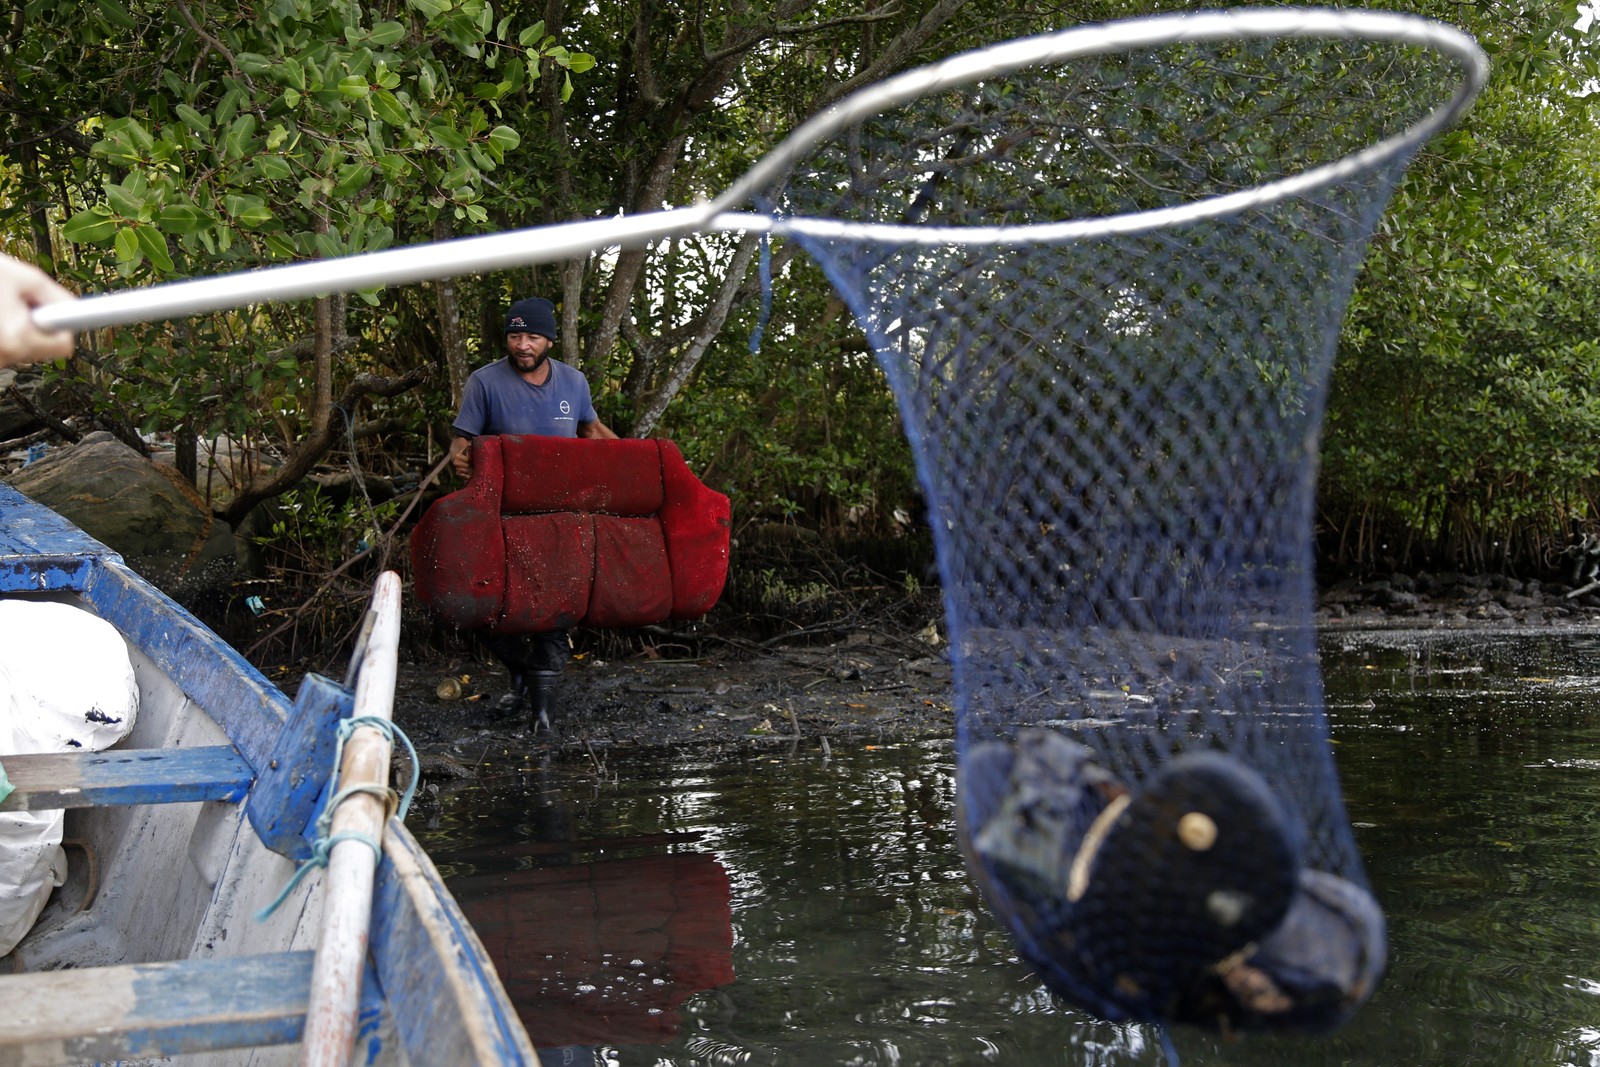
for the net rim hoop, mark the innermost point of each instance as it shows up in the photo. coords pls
(1107, 38)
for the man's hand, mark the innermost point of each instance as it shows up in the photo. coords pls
(24, 287)
(461, 456)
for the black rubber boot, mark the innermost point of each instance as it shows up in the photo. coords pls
(516, 699)
(542, 699)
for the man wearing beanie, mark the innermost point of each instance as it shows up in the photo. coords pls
(527, 393)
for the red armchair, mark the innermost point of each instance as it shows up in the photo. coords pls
(552, 532)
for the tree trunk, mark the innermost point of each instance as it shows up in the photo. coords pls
(652, 407)
(451, 336)
(38, 223)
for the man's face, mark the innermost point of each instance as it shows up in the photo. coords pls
(527, 350)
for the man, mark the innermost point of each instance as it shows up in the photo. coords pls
(527, 393)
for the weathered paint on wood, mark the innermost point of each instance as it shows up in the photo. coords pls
(39, 550)
(157, 1009)
(49, 780)
(429, 959)
(290, 787)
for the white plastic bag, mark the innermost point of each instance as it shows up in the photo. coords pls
(66, 683)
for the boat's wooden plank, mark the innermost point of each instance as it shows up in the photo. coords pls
(442, 990)
(103, 1014)
(39, 550)
(50, 780)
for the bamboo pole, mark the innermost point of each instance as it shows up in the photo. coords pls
(347, 901)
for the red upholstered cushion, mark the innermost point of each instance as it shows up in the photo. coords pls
(458, 552)
(551, 532)
(632, 582)
(577, 474)
(549, 571)
(697, 523)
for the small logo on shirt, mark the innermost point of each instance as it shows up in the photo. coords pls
(516, 320)
(566, 408)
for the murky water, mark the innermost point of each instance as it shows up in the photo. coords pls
(788, 907)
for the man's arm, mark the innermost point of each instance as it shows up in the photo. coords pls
(596, 430)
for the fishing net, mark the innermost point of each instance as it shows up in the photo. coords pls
(1104, 273)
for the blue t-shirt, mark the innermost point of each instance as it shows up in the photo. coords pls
(497, 400)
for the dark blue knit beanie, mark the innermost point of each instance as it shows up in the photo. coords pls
(533, 314)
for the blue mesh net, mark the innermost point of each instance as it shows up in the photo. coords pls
(1116, 429)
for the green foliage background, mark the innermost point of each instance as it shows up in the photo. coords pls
(144, 141)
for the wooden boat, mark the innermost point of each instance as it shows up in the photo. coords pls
(187, 828)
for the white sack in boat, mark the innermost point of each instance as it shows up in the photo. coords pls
(66, 683)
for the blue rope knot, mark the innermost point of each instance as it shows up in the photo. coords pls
(394, 805)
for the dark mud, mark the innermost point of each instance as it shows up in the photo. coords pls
(870, 684)
(865, 686)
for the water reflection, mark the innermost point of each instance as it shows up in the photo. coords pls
(1469, 763)
(636, 937)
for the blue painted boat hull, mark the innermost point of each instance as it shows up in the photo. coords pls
(180, 879)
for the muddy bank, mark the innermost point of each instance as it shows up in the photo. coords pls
(863, 687)
(867, 685)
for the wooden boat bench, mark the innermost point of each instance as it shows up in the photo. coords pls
(45, 781)
(138, 1011)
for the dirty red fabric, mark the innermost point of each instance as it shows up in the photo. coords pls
(552, 532)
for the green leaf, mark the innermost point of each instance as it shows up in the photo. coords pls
(446, 136)
(354, 86)
(566, 87)
(389, 109)
(180, 218)
(127, 246)
(115, 14)
(238, 141)
(273, 167)
(228, 106)
(431, 9)
(247, 210)
(351, 177)
(459, 177)
(386, 34)
(152, 244)
(193, 119)
(124, 201)
(280, 246)
(578, 62)
(531, 34)
(252, 62)
(88, 227)
(505, 138)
